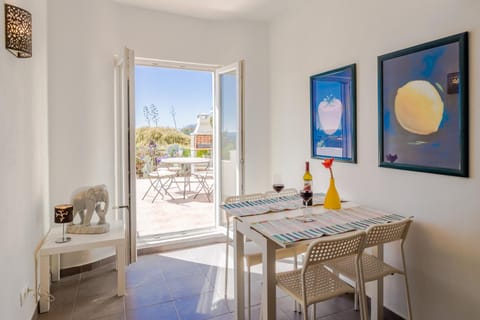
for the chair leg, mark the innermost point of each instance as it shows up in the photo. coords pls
(407, 291)
(147, 190)
(295, 267)
(409, 303)
(249, 299)
(360, 287)
(227, 242)
(355, 299)
(314, 311)
(305, 311)
(155, 186)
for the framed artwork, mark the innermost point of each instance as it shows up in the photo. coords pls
(423, 107)
(332, 114)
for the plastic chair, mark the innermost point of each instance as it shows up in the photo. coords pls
(252, 252)
(375, 268)
(314, 283)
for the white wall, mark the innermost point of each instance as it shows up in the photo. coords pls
(23, 164)
(84, 36)
(442, 252)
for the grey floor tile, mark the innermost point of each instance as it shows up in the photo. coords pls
(100, 306)
(117, 316)
(188, 286)
(180, 285)
(227, 316)
(147, 295)
(163, 311)
(201, 307)
(176, 269)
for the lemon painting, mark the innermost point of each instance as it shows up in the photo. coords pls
(422, 107)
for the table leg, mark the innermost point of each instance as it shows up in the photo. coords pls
(120, 250)
(238, 241)
(269, 283)
(44, 284)
(377, 297)
(55, 266)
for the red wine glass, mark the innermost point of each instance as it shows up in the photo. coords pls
(278, 187)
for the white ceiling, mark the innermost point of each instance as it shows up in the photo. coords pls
(262, 10)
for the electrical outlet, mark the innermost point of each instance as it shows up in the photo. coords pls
(24, 295)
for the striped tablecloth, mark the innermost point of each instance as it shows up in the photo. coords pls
(248, 208)
(288, 230)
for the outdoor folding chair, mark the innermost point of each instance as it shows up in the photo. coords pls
(205, 177)
(160, 180)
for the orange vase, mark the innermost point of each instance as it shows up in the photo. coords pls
(332, 199)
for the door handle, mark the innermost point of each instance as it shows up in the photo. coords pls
(122, 207)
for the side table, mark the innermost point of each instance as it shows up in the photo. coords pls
(114, 238)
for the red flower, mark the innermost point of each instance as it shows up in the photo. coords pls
(327, 163)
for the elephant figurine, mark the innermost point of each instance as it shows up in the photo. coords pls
(89, 199)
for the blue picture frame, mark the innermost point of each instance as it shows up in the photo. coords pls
(333, 114)
(423, 107)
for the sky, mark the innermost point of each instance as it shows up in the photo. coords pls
(189, 92)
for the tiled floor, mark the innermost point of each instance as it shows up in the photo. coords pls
(185, 284)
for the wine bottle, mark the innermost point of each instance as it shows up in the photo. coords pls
(307, 178)
(307, 183)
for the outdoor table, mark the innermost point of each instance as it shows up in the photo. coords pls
(270, 232)
(186, 168)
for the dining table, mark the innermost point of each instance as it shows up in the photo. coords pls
(185, 164)
(282, 223)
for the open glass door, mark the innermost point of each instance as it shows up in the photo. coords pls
(229, 132)
(124, 114)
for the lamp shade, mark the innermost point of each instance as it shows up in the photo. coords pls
(18, 31)
(63, 213)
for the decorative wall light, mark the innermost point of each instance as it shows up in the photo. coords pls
(18, 31)
(63, 215)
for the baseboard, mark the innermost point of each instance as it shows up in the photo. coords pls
(36, 315)
(182, 243)
(86, 267)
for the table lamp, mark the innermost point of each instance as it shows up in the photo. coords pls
(63, 214)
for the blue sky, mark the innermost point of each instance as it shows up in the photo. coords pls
(189, 92)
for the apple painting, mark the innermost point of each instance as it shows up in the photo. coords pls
(330, 114)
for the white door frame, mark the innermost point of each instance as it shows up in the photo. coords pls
(238, 67)
(124, 166)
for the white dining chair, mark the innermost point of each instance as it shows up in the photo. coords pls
(314, 283)
(252, 252)
(375, 268)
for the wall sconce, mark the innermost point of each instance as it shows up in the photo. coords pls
(18, 31)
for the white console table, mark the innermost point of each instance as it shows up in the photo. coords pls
(114, 238)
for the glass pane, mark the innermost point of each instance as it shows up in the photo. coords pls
(229, 134)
